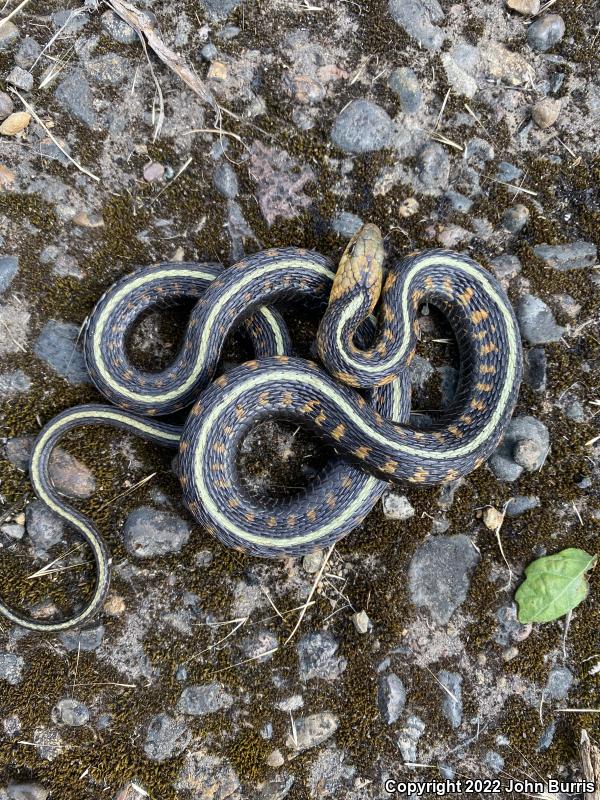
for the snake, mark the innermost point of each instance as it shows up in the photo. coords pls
(355, 395)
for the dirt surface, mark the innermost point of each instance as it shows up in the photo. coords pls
(470, 126)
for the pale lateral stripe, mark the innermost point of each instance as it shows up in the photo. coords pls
(244, 280)
(270, 319)
(354, 304)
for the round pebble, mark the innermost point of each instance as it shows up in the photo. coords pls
(6, 105)
(362, 127)
(71, 712)
(545, 32)
(528, 7)
(527, 454)
(15, 123)
(515, 218)
(545, 112)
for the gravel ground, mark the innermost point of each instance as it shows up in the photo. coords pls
(472, 126)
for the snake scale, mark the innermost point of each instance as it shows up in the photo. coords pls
(358, 399)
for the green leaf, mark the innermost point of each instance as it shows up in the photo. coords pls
(554, 585)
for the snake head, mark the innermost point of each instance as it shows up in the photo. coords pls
(361, 267)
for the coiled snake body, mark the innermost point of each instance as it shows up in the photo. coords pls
(372, 435)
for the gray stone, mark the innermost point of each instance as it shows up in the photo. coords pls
(505, 267)
(460, 80)
(58, 345)
(520, 504)
(433, 167)
(409, 738)
(361, 622)
(405, 83)
(421, 370)
(439, 574)
(509, 629)
(528, 454)
(229, 32)
(537, 322)
(494, 761)
(312, 731)
(575, 411)
(545, 32)
(71, 712)
(69, 21)
(452, 697)
(9, 33)
(85, 640)
(8, 269)
(6, 105)
(219, 9)
(69, 476)
(74, 94)
(11, 668)
(260, 646)
(208, 776)
(27, 791)
(391, 697)
(520, 429)
(362, 127)
(515, 218)
(562, 257)
(459, 202)
(148, 532)
(508, 173)
(419, 18)
(397, 506)
(317, 657)
(118, 29)
(44, 527)
(535, 369)
(110, 69)
(206, 699)
(27, 53)
(13, 530)
(166, 737)
(346, 224)
(277, 788)
(209, 52)
(225, 180)
(547, 737)
(559, 682)
(20, 78)
(312, 562)
(479, 150)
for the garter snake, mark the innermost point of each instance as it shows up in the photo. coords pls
(361, 404)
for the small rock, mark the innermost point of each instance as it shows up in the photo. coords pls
(409, 737)
(153, 171)
(462, 83)
(115, 605)
(8, 269)
(509, 629)
(405, 83)
(559, 682)
(260, 646)
(493, 761)
(312, 731)
(361, 621)
(71, 712)
(85, 640)
(522, 503)
(311, 562)
(44, 527)
(528, 454)
(220, 9)
(75, 94)
(27, 791)
(209, 52)
(505, 267)
(118, 29)
(20, 78)
(15, 123)
(317, 657)
(439, 574)
(452, 699)
(433, 167)
(391, 697)
(535, 369)
(420, 19)
(11, 668)
(408, 207)
(206, 699)
(132, 791)
(58, 345)
(508, 172)
(207, 777)
(545, 112)
(166, 738)
(547, 737)
(510, 654)
(346, 224)
(7, 178)
(537, 322)
(527, 7)
(545, 32)
(397, 506)
(459, 202)
(502, 462)
(148, 532)
(13, 531)
(567, 305)
(515, 218)
(225, 180)
(576, 255)
(362, 127)
(275, 759)
(9, 33)
(6, 105)
(217, 71)
(492, 518)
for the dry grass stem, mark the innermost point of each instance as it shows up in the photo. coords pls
(310, 596)
(128, 491)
